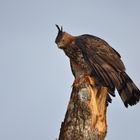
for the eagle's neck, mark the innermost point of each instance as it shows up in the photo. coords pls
(68, 39)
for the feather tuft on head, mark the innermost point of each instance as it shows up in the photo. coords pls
(60, 30)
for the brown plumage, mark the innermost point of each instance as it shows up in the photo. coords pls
(91, 55)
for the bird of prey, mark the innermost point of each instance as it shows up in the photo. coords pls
(91, 55)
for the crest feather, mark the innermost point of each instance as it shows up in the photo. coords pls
(60, 30)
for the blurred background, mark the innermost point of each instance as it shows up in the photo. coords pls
(35, 76)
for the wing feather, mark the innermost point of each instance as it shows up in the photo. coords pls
(103, 60)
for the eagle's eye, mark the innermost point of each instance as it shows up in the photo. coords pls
(63, 40)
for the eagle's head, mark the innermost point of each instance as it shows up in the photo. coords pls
(63, 39)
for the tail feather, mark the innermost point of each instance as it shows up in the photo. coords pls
(128, 91)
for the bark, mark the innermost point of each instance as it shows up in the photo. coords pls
(85, 118)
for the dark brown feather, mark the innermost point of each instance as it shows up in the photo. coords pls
(108, 68)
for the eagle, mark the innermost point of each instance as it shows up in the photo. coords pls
(93, 56)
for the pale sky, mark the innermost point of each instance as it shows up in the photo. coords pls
(35, 76)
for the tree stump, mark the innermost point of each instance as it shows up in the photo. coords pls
(85, 118)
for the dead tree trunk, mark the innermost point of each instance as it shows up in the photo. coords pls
(85, 118)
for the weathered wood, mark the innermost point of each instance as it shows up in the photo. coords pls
(85, 118)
